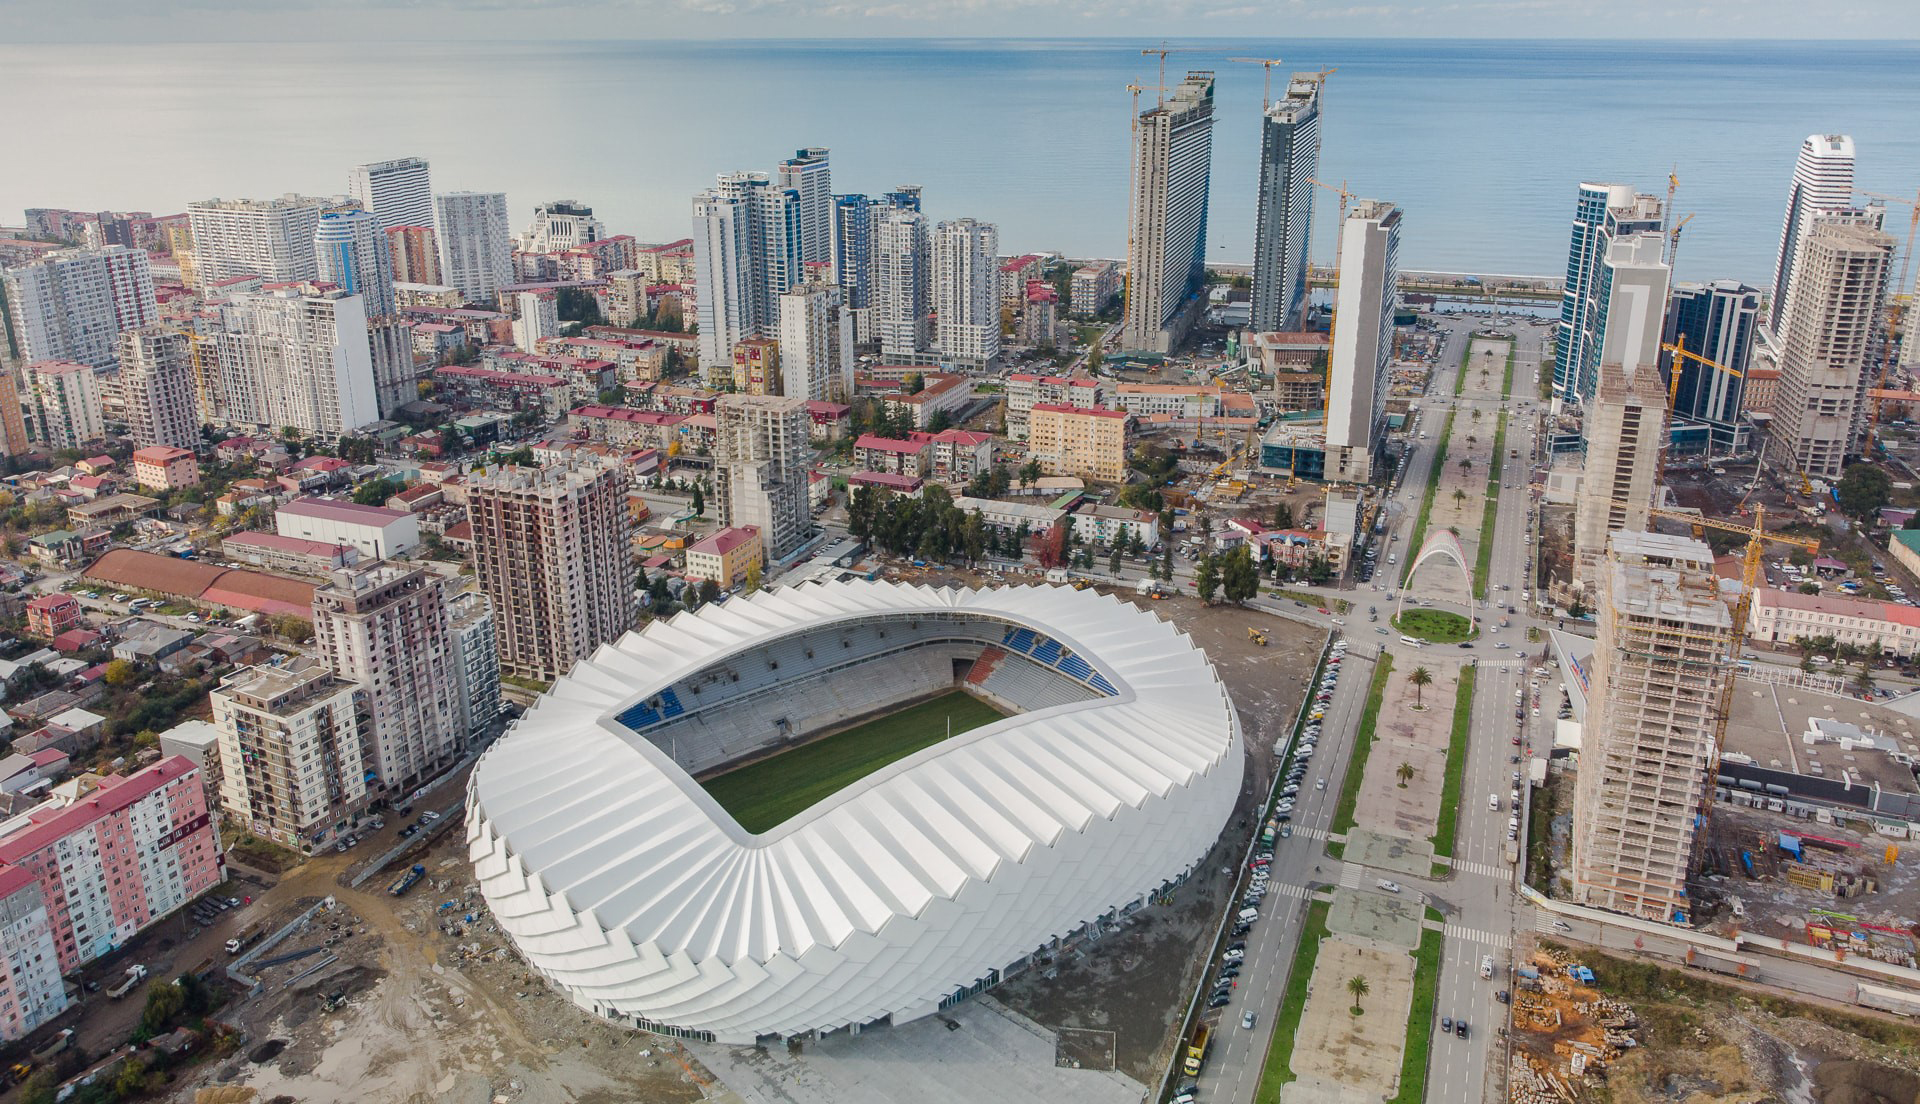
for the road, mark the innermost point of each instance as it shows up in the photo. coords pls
(1299, 863)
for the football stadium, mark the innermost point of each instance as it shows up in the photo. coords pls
(838, 804)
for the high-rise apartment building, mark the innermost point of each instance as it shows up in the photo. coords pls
(854, 220)
(31, 990)
(293, 751)
(384, 626)
(398, 193)
(756, 366)
(1625, 428)
(760, 468)
(1716, 321)
(1830, 340)
(1661, 670)
(351, 252)
(296, 356)
(966, 286)
(114, 860)
(271, 238)
(560, 225)
(816, 343)
(902, 282)
(1822, 181)
(476, 247)
(809, 176)
(724, 271)
(13, 421)
(1362, 337)
(1167, 239)
(1629, 308)
(1604, 215)
(551, 551)
(67, 411)
(536, 318)
(72, 304)
(1283, 206)
(156, 387)
(415, 253)
(470, 616)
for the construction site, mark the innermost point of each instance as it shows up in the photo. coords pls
(1595, 1028)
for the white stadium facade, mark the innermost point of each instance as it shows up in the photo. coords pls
(626, 884)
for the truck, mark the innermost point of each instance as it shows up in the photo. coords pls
(1266, 834)
(135, 975)
(408, 880)
(1197, 1048)
(54, 1045)
(245, 939)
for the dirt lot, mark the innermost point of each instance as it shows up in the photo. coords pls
(1135, 982)
(1703, 1042)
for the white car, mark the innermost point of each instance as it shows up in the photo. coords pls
(1390, 887)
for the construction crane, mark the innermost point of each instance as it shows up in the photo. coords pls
(1680, 352)
(1326, 389)
(1133, 183)
(1897, 307)
(1266, 90)
(1161, 52)
(1673, 240)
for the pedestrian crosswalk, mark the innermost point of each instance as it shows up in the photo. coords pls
(1497, 940)
(1351, 875)
(1310, 833)
(1485, 870)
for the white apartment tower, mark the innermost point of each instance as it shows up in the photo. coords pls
(478, 647)
(1626, 425)
(902, 292)
(760, 468)
(1661, 675)
(157, 387)
(809, 176)
(398, 192)
(296, 356)
(271, 238)
(536, 318)
(351, 252)
(1283, 206)
(1167, 236)
(293, 760)
(816, 343)
(1830, 342)
(551, 549)
(723, 258)
(1362, 337)
(476, 247)
(73, 304)
(385, 627)
(966, 298)
(65, 399)
(1822, 181)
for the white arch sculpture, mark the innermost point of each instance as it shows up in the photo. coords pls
(1446, 546)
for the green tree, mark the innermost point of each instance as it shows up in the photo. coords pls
(973, 538)
(1809, 587)
(1864, 488)
(1206, 579)
(40, 1086)
(1239, 576)
(914, 383)
(164, 1002)
(1113, 560)
(709, 590)
(1283, 516)
(1420, 679)
(699, 502)
(1576, 608)
(1030, 472)
(1357, 987)
(1405, 773)
(939, 422)
(375, 492)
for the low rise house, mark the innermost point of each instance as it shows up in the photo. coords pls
(163, 468)
(52, 614)
(725, 556)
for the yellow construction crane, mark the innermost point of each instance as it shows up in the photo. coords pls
(1161, 52)
(1673, 240)
(1680, 352)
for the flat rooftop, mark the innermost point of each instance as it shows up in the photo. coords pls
(1768, 720)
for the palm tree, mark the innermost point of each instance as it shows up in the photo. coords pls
(1466, 463)
(1405, 773)
(1420, 678)
(1358, 987)
(1459, 496)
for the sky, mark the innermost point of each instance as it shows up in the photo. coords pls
(74, 21)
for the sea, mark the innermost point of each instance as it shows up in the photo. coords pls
(1481, 143)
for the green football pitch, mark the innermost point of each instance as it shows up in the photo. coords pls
(767, 793)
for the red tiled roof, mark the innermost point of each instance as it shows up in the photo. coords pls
(725, 540)
(247, 590)
(1091, 411)
(887, 479)
(890, 444)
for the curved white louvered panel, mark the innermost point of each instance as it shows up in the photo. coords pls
(618, 876)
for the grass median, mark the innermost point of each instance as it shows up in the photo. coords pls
(1456, 766)
(1277, 1070)
(1506, 386)
(1426, 503)
(1362, 745)
(1426, 986)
